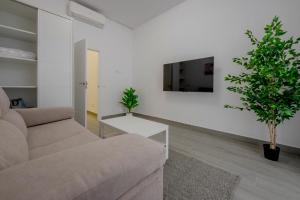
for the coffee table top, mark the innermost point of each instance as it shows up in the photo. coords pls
(136, 125)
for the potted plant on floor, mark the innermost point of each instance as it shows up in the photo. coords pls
(269, 85)
(129, 100)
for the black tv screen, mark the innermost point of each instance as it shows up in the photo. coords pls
(190, 76)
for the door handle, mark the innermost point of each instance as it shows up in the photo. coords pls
(84, 84)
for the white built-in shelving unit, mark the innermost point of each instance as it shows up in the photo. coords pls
(21, 87)
(18, 30)
(17, 60)
(20, 34)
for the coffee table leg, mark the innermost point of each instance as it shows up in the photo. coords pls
(101, 134)
(167, 143)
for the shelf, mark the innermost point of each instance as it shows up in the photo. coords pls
(20, 87)
(16, 33)
(17, 59)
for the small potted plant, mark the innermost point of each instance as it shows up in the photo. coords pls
(269, 86)
(130, 100)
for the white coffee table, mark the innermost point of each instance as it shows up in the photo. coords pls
(139, 126)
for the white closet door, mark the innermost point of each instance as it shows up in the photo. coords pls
(54, 60)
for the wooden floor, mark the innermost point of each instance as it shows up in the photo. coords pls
(92, 123)
(260, 178)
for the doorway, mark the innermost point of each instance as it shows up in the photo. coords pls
(86, 86)
(92, 94)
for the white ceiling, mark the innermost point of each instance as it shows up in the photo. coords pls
(130, 13)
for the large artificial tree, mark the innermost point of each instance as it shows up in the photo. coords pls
(269, 84)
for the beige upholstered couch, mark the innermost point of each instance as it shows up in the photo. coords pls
(45, 154)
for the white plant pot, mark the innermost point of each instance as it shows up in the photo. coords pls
(129, 114)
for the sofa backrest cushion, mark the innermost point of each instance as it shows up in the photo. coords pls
(13, 145)
(4, 103)
(39, 116)
(16, 119)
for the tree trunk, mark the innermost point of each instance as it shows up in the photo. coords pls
(272, 132)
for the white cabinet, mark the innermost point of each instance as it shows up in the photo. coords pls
(18, 69)
(54, 60)
(35, 55)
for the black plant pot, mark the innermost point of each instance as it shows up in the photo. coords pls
(271, 154)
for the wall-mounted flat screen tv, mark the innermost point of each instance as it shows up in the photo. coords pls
(190, 76)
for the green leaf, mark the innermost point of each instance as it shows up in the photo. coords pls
(129, 99)
(269, 84)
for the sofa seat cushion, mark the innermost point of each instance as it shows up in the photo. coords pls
(13, 145)
(105, 170)
(16, 119)
(43, 135)
(70, 142)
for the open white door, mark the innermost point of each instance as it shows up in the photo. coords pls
(80, 66)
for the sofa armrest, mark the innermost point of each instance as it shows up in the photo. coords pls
(104, 170)
(38, 116)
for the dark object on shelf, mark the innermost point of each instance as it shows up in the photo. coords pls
(17, 103)
(271, 154)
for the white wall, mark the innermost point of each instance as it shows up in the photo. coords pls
(194, 29)
(114, 42)
(202, 28)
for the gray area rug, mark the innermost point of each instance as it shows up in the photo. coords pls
(186, 178)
